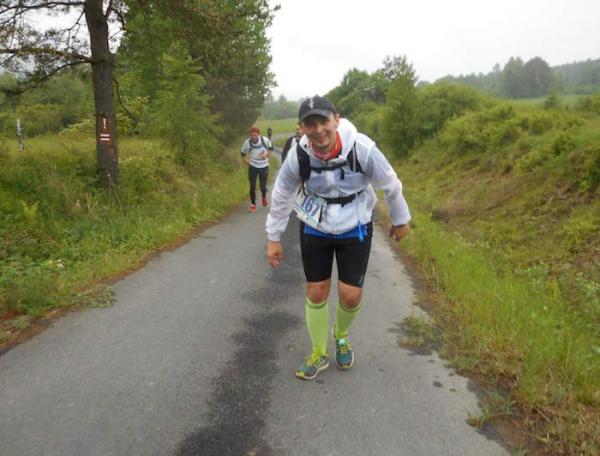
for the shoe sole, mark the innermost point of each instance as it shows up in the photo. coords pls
(322, 368)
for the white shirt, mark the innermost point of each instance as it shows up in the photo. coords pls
(255, 149)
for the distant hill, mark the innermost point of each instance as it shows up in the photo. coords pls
(534, 78)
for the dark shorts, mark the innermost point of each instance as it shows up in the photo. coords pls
(352, 257)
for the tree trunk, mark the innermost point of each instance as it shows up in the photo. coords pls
(106, 137)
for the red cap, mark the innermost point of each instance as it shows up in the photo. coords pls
(254, 130)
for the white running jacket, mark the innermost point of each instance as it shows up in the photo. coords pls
(336, 218)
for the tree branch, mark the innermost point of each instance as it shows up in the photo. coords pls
(37, 80)
(33, 51)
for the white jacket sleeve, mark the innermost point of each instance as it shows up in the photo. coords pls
(245, 147)
(283, 196)
(383, 177)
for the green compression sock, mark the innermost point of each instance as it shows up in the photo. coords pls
(317, 322)
(344, 318)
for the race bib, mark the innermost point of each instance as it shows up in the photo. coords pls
(309, 208)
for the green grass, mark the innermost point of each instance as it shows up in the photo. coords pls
(509, 235)
(60, 235)
(279, 126)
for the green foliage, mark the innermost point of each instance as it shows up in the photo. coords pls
(181, 111)
(551, 102)
(539, 123)
(227, 40)
(513, 78)
(441, 102)
(579, 77)
(280, 109)
(59, 233)
(481, 130)
(538, 77)
(590, 104)
(62, 101)
(358, 92)
(400, 110)
(534, 78)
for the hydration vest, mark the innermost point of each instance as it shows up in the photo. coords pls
(351, 162)
(251, 144)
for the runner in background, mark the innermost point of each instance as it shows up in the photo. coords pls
(292, 141)
(255, 153)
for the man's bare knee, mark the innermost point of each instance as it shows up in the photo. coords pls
(318, 292)
(349, 295)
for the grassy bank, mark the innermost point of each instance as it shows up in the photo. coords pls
(278, 125)
(507, 229)
(60, 235)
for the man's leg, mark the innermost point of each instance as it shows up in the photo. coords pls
(252, 173)
(317, 315)
(264, 176)
(347, 307)
(317, 259)
(352, 259)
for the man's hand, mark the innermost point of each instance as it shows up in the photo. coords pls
(398, 232)
(274, 253)
(246, 159)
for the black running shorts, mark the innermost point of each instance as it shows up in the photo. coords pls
(352, 257)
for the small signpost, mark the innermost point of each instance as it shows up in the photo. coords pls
(20, 135)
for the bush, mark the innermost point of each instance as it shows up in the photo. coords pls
(482, 130)
(439, 103)
(540, 122)
(39, 118)
(589, 104)
(591, 179)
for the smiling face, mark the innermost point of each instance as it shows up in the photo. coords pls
(254, 135)
(321, 131)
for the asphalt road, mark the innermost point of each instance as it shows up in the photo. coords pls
(197, 357)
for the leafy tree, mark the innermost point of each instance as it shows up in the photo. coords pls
(226, 38)
(356, 90)
(400, 112)
(538, 77)
(513, 78)
(182, 114)
(41, 54)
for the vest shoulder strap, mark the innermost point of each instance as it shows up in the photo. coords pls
(305, 168)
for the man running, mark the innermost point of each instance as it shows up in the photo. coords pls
(292, 141)
(255, 153)
(334, 165)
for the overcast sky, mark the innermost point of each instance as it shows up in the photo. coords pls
(314, 42)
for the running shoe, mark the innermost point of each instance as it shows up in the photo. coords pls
(265, 203)
(313, 364)
(252, 208)
(344, 356)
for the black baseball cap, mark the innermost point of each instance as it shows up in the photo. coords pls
(316, 106)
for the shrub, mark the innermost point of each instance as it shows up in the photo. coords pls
(589, 104)
(439, 103)
(540, 123)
